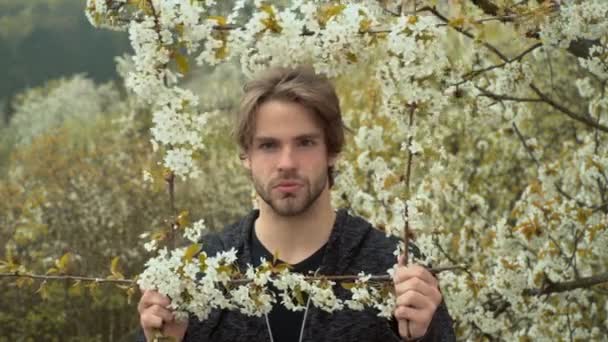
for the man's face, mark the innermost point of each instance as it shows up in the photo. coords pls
(288, 157)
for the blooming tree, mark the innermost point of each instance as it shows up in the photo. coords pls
(480, 125)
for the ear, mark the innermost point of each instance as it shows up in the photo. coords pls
(246, 161)
(332, 159)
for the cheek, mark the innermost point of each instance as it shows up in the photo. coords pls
(260, 171)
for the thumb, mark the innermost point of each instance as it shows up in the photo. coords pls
(401, 260)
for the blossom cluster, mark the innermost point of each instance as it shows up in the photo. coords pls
(198, 284)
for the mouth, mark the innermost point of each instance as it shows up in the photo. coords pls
(288, 186)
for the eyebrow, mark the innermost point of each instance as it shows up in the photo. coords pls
(311, 136)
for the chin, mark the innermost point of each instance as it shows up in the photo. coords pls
(289, 210)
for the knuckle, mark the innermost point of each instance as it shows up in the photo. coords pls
(406, 297)
(419, 272)
(399, 312)
(400, 274)
(402, 299)
(147, 321)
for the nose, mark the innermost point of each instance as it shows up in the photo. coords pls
(287, 159)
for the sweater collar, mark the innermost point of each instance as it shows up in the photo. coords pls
(345, 239)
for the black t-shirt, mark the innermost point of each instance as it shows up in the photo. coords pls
(284, 323)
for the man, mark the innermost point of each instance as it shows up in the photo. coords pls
(290, 132)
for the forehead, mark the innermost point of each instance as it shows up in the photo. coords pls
(285, 119)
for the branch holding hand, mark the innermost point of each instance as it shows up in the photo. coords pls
(154, 315)
(418, 296)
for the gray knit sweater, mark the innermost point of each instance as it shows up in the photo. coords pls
(354, 246)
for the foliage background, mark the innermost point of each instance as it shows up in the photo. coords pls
(73, 147)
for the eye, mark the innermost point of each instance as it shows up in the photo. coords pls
(266, 145)
(307, 142)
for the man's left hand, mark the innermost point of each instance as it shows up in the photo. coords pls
(418, 296)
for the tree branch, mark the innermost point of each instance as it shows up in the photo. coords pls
(67, 277)
(578, 117)
(486, 6)
(410, 155)
(526, 147)
(499, 97)
(445, 20)
(584, 282)
(546, 99)
(236, 281)
(471, 75)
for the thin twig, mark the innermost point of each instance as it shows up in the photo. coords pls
(472, 74)
(501, 97)
(467, 34)
(408, 172)
(486, 6)
(236, 281)
(578, 117)
(526, 147)
(67, 277)
(170, 180)
(545, 99)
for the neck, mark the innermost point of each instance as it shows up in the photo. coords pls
(297, 237)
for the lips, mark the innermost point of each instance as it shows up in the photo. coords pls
(288, 186)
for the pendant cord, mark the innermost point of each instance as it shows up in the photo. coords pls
(306, 312)
(303, 319)
(268, 327)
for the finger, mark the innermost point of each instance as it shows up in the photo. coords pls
(403, 273)
(418, 285)
(416, 300)
(165, 314)
(150, 298)
(149, 321)
(413, 315)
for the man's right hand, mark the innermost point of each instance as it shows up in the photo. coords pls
(154, 315)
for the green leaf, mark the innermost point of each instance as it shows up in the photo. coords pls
(228, 269)
(270, 23)
(351, 57)
(191, 251)
(327, 12)
(93, 289)
(202, 259)
(24, 281)
(63, 263)
(116, 276)
(348, 285)
(275, 257)
(221, 20)
(182, 63)
(43, 291)
(76, 289)
(299, 295)
(114, 265)
(130, 292)
(183, 219)
(159, 235)
(281, 267)
(5, 266)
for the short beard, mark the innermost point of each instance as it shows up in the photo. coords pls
(290, 209)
